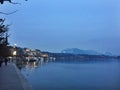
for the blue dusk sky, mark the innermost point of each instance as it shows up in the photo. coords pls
(53, 25)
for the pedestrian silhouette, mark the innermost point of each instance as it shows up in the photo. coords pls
(1, 61)
(6, 60)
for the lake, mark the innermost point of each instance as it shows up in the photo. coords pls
(73, 75)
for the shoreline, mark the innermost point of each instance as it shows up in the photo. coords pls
(24, 82)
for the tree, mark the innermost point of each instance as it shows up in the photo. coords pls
(2, 1)
(4, 51)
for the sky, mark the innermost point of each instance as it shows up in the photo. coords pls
(53, 25)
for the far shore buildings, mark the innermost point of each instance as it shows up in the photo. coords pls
(25, 52)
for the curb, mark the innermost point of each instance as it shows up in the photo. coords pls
(24, 82)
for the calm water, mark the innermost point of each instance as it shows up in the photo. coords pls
(100, 75)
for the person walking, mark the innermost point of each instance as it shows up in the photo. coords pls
(6, 60)
(1, 61)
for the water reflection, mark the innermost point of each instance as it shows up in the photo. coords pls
(29, 67)
(79, 75)
(36, 64)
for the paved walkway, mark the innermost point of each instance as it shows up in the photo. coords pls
(12, 79)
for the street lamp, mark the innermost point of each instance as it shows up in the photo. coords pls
(14, 45)
(14, 53)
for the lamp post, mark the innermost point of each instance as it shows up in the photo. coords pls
(14, 45)
(14, 55)
(14, 51)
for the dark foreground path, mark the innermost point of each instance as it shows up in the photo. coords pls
(12, 79)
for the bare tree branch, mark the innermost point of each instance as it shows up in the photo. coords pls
(9, 12)
(15, 3)
(2, 1)
(1, 22)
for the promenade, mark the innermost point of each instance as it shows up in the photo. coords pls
(12, 79)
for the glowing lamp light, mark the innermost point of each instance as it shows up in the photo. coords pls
(14, 53)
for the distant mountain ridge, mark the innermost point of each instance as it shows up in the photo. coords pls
(79, 51)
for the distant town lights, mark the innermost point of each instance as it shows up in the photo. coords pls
(45, 55)
(27, 50)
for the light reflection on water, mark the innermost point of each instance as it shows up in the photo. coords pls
(100, 75)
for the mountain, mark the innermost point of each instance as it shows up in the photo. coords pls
(108, 53)
(79, 51)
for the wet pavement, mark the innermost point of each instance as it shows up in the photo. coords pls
(12, 79)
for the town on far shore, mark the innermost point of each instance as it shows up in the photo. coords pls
(27, 54)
